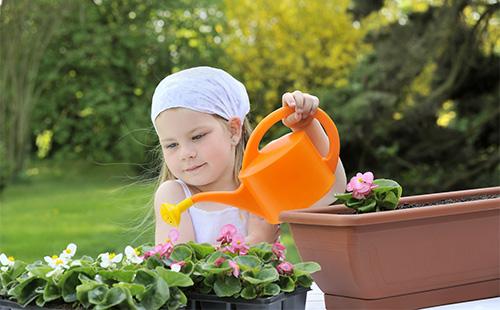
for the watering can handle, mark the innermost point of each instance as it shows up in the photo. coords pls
(252, 149)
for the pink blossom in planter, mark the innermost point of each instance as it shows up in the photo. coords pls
(361, 185)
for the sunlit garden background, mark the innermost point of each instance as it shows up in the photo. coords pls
(413, 87)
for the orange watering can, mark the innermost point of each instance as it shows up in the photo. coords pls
(285, 175)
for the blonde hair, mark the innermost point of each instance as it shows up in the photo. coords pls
(246, 130)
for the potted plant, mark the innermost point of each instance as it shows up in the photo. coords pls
(420, 251)
(161, 277)
(233, 275)
(110, 280)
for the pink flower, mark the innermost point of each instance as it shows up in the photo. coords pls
(238, 245)
(361, 185)
(166, 248)
(219, 261)
(285, 268)
(226, 234)
(235, 267)
(279, 250)
(160, 249)
(173, 235)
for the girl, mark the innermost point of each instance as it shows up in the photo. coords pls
(200, 117)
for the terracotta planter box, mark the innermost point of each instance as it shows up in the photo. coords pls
(407, 258)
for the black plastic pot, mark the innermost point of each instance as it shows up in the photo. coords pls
(284, 301)
(12, 305)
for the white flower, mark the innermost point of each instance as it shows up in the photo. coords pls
(110, 259)
(58, 265)
(76, 262)
(132, 255)
(69, 252)
(175, 267)
(6, 262)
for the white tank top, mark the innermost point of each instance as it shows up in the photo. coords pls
(207, 224)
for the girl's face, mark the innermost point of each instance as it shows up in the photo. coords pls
(196, 147)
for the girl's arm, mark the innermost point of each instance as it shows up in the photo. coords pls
(305, 106)
(337, 188)
(171, 192)
(261, 231)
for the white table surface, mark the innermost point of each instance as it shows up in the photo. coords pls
(316, 301)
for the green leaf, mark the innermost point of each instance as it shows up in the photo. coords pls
(248, 292)
(305, 268)
(114, 297)
(51, 291)
(188, 268)
(41, 271)
(368, 206)
(211, 268)
(209, 280)
(227, 286)
(214, 256)
(40, 301)
(25, 291)
(271, 289)
(90, 291)
(354, 203)
(343, 197)
(118, 275)
(145, 277)
(156, 294)
(266, 275)
(174, 278)
(262, 250)
(153, 262)
(287, 284)
(181, 252)
(97, 294)
(385, 185)
(305, 280)
(390, 201)
(134, 288)
(17, 269)
(177, 299)
(201, 250)
(248, 262)
(68, 283)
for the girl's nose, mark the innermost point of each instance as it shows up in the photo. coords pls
(188, 152)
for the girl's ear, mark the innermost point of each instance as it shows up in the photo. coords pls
(234, 125)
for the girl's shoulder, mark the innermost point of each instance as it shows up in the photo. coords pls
(169, 191)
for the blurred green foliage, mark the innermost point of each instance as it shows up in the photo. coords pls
(415, 97)
(109, 57)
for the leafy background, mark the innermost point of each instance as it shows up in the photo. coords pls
(412, 85)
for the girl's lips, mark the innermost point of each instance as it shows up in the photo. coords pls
(194, 168)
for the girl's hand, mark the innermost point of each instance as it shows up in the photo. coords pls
(305, 106)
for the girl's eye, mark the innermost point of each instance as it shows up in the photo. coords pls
(197, 137)
(171, 145)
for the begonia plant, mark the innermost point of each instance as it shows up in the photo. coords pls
(366, 194)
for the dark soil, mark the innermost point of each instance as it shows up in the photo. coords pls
(447, 201)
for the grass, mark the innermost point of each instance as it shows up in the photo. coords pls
(92, 206)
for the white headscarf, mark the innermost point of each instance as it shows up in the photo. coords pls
(202, 89)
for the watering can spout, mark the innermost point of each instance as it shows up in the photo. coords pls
(240, 198)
